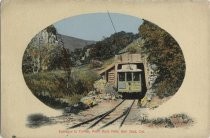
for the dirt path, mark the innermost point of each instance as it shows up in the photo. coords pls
(137, 117)
(135, 114)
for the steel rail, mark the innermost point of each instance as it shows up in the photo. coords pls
(96, 117)
(126, 114)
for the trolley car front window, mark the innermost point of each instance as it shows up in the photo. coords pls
(121, 76)
(129, 76)
(136, 76)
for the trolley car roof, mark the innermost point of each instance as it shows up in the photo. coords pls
(129, 68)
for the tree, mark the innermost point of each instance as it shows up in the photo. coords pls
(110, 46)
(41, 54)
(163, 50)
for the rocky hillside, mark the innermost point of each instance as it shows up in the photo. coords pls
(104, 49)
(43, 52)
(165, 65)
(162, 50)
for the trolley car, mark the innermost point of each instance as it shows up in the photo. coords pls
(131, 81)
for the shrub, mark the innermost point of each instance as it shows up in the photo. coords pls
(53, 84)
(84, 79)
(36, 120)
(132, 49)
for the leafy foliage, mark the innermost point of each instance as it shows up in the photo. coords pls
(163, 50)
(47, 70)
(108, 47)
(50, 86)
(102, 50)
(85, 80)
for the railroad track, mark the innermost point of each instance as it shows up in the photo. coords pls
(100, 117)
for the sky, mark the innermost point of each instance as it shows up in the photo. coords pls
(96, 26)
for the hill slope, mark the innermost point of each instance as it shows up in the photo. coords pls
(72, 43)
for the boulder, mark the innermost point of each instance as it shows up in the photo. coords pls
(89, 101)
(143, 102)
(92, 93)
(99, 85)
(76, 108)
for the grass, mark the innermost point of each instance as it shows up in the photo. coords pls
(175, 120)
(46, 83)
(50, 87)
(87, 67)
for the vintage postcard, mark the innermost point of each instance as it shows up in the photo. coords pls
(105, 69)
